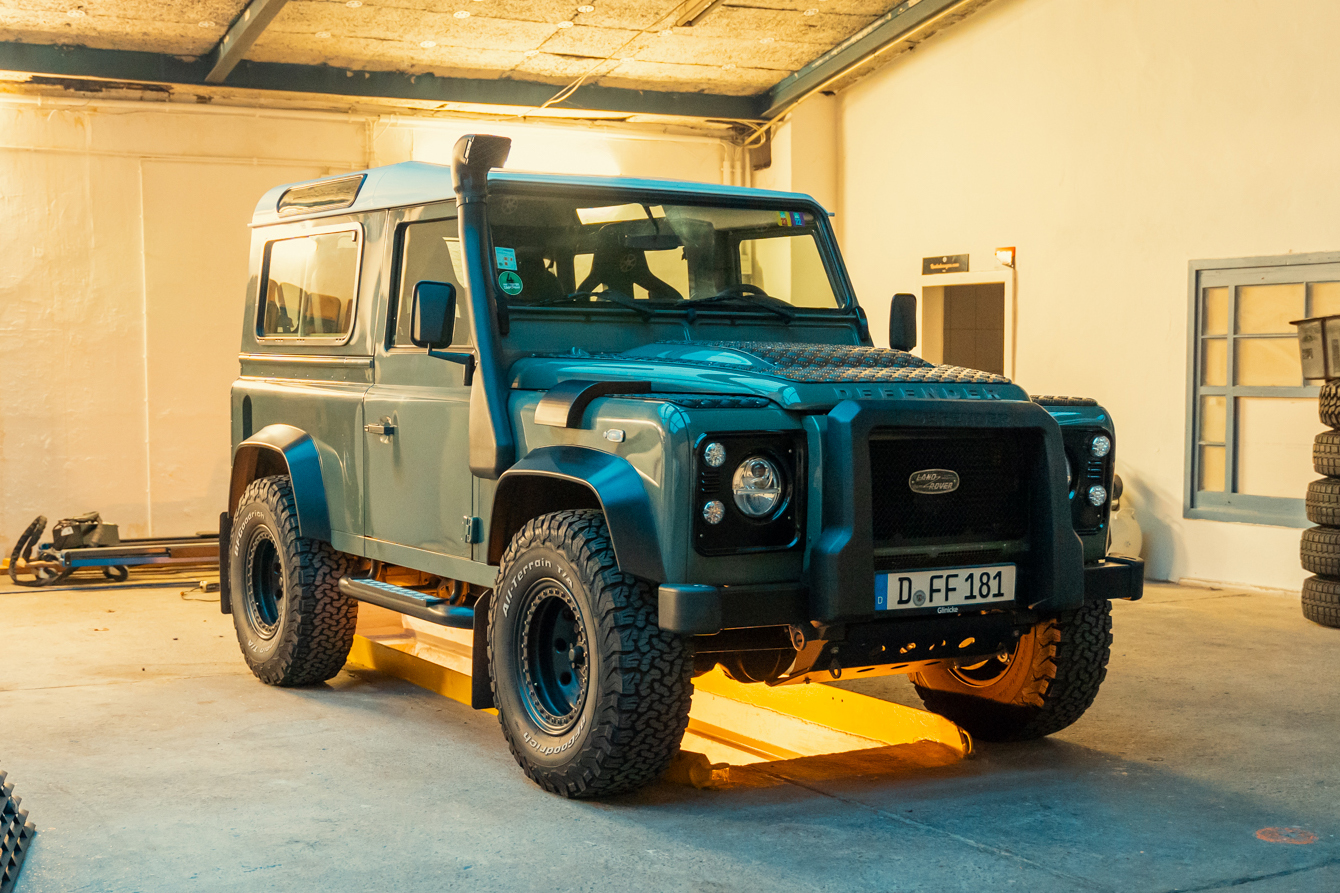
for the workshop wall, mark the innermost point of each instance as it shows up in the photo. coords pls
(125, 242)
(1111, 141)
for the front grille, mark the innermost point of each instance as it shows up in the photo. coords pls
(990, 502)
(966, 558)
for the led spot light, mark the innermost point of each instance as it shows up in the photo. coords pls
(1097, 495)
(1101, 446)
(714, 455)
(714, 511)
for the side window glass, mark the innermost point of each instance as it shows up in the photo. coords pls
(430, 250)
(310, 283)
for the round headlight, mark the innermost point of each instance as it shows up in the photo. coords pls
(714, 455)
(1097, 495)
(757, 486)
(714, 511)
(1101, 445)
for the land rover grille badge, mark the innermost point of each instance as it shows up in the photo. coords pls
(932, 481)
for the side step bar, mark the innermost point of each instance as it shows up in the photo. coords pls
(408, 601)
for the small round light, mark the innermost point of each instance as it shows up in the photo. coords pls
(322, 35)
(729, 66)
(766, 39)
(461, 14)
(76, 13)
(565, 24)
(530, 53)
(714, 511)
(714, 455)
(428, 44)
(586, 9)
(1101, 446)
(757, 486)
(354, 4)
(206, 24)
(1097, 495)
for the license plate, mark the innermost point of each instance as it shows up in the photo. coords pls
(950, 587)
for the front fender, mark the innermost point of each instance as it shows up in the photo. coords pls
(613, 481)
(280, 449)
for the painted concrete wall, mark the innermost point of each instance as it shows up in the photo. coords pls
(124, 232)
(1111, 141)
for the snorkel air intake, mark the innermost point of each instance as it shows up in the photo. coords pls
(492, 444)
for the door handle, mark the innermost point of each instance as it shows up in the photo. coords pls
(381, 428)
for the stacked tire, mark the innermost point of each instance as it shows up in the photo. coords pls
(1320, 549)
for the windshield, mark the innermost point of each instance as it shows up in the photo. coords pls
(573, 252)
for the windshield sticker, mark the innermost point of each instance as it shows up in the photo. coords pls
(509, 282)
(784, 218)
(790, 218)
(506, 258)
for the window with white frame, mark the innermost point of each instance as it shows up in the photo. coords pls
(1251, 415)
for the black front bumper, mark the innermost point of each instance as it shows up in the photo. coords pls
(693, 609)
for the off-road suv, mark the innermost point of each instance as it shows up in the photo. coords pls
(628, 430)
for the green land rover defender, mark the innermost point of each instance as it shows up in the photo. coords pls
(627, 430)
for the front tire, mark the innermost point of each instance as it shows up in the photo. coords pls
(1046, 684)
(593, 697)
(294, 625)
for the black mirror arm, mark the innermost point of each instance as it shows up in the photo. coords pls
(464, 357)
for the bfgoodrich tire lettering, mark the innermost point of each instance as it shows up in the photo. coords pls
(294, 625)
(593, 697)
(1048, 682)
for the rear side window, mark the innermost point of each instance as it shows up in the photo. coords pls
(310, 284)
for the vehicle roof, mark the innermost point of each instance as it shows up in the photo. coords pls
(419, 182)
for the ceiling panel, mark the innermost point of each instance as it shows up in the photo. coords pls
(191, 27)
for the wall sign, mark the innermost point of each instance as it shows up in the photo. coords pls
(948, 263)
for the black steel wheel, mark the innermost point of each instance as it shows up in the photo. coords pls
(1045, 684)
(294, 625)
(592, 696)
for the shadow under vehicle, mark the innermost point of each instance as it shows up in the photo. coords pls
(628, 430)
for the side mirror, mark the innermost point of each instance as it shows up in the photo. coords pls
(434, 320)
(903, 322)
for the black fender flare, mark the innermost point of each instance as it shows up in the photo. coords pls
(280, 449)
(613, 482)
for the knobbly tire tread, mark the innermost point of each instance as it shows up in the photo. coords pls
(1323, 502)
(316, 646)
(1328, 404)
(1326, 453)
(647, 691)
(23, 549)
(1321, 600)
(1319, 551)
(1071, 666)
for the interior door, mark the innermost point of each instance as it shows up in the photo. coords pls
(419, 486)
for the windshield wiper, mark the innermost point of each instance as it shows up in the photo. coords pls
(609, 295)
(749, 294)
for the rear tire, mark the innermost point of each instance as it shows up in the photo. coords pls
(1321, 601)
(1047, 683)
(294, 625)
(593, 697)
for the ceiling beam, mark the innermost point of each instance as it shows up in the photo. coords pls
(906, 21)
(158, 68)
(241, 34)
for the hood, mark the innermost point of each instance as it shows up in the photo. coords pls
(787, 372)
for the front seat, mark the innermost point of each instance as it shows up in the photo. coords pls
(619, 268)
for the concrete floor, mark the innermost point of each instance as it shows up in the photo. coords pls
(152, 760)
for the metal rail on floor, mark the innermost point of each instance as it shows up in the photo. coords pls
(730, 724)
